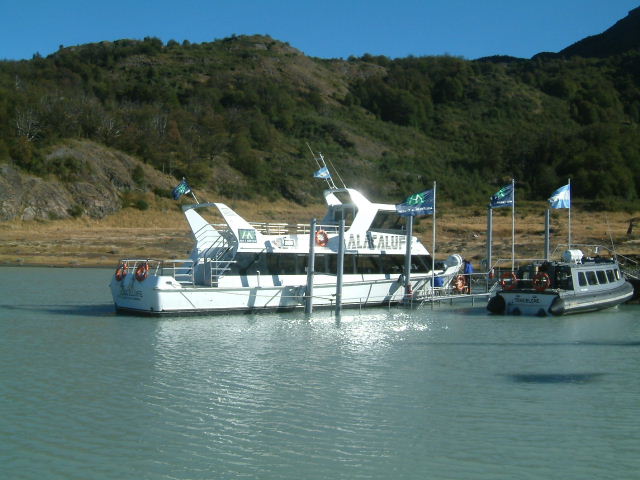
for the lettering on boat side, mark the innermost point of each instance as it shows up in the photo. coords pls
(533, 299)
(376, 241)
(130, 292)
(246, 235)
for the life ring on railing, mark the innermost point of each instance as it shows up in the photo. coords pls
(541, 281)
(459, 284)
(142, 271)
(322, 238)
(121, 271)
(508, 280)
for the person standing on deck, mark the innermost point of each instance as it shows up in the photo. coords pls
(468, 270)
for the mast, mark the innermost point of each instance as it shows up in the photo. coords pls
(322, 164)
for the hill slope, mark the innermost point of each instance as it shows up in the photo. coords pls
(234, 116)
(620, 38)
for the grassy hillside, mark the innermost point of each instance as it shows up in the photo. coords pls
(234, 117)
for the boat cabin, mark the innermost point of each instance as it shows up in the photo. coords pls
(575, 273)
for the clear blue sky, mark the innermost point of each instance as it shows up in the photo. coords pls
(320, 28)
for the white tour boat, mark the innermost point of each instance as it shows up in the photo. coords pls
(575, 284)
(243, 267)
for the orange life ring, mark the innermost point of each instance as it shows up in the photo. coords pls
(541, 281)
(121, 271)
(142, 271)
(322, 238)
(511, 284)
(460, 284)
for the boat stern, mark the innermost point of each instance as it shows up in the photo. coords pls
(524, 303)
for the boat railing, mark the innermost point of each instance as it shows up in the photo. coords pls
(180, 270)
(629, 266)
(268, 228)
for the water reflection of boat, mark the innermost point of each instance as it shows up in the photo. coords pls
(574, 284)
(241, 266)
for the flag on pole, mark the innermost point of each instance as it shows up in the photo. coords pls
(322, 173)
(181, 189)
(503, 197)
(561, 198)
(417, 204)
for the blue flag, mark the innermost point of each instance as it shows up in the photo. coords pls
(181, 189)
(322, 173)
(417, 204)
(503, 197)
(561, 198)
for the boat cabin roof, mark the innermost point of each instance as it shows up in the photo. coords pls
(357, 211)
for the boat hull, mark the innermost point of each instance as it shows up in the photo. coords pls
(527, 302)
(158, 296)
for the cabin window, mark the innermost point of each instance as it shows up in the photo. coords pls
(420, 264)
(286, 263)
(248, 264)
(591, 278)
(617, 273)
(392, 264)
(611, 276)
(602, 277)
(388, 221)
(296, 264)
(368, 264)
(321, 264)
(582, 279)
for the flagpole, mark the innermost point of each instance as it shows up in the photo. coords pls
(433, 244)
(569, 245)
(489, 238)
(513, 224)
(407, 260)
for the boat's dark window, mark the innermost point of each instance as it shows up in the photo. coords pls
(348, 265)
(582, 279)
(388, 221)
(602, 276)
(321, 264)
(420, 264)
(363, 264)
(333, 264)
(284, 263)
(392, 264)
(611, 276)
(248, 264)
(368, 264)
(591, 277)
(617, 272)
(347, 213)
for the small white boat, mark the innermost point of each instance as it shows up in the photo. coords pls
(243, 267)
(575, 284)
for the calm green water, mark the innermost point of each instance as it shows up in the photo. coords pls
(440, 393)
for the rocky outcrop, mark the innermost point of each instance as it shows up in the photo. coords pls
(95, 190)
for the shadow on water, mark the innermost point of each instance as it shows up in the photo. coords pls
(542, 378)
(80, 310)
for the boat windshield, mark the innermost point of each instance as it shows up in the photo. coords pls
(388, 221)
(339, 212)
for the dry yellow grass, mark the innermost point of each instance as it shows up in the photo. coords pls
(162, 232)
